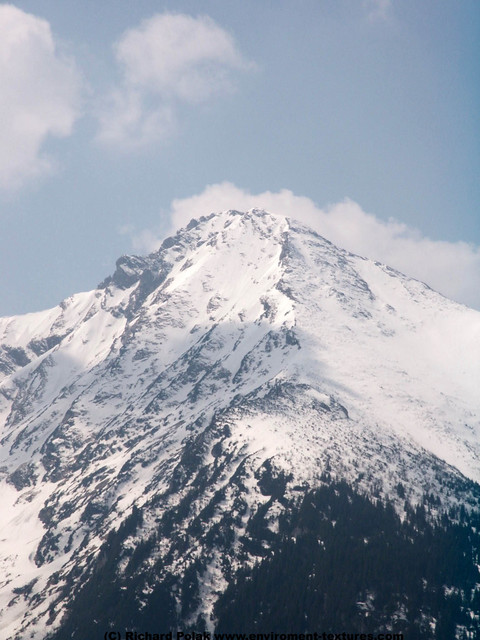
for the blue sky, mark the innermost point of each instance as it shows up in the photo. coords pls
(120, 120)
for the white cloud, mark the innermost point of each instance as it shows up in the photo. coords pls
(170, 59)
(39, 95)
(453, 268)
(378, 10)
(126, 121)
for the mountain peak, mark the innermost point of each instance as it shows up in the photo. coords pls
(247, 357)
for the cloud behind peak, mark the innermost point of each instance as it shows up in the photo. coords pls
(452, 268)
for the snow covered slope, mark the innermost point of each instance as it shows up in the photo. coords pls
(247, 352)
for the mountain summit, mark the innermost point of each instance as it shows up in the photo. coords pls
(166, 432)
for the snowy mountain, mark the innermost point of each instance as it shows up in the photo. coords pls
(161, 430)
